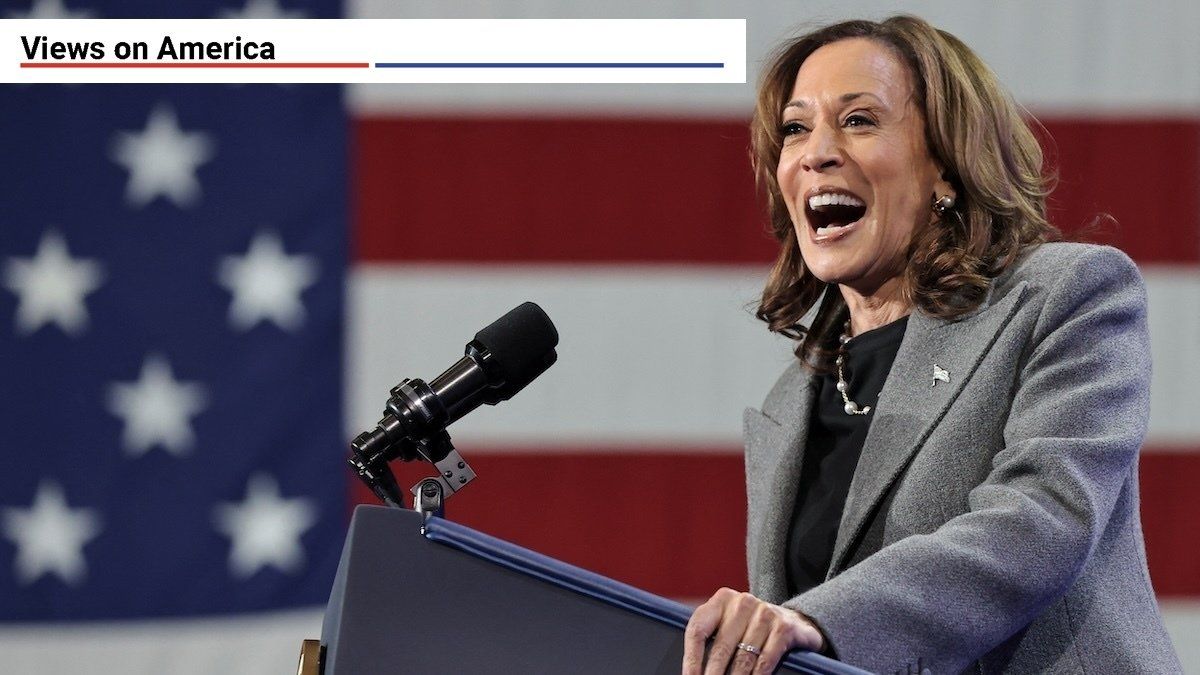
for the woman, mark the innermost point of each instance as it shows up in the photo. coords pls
(946, 480)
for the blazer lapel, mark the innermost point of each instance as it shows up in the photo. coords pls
(910, 405)
(774, 455)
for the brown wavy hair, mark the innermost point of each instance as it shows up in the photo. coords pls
(973, 128)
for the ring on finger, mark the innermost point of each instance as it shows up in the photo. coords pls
(749, 648)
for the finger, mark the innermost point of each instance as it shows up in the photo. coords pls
(805, 633)
(733, 626)
(756, 635)
(794, 632)
(773, 651)
(703, 624)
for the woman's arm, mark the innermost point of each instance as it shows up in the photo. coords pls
(1076, 424)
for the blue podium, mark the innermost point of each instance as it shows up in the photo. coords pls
(450, 599)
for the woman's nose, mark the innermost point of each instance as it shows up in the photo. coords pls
(821, 151)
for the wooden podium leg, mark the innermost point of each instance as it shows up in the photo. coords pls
(310, 658)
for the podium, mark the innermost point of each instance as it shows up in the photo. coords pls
(449, 599)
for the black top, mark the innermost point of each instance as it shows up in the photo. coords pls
(835, 441)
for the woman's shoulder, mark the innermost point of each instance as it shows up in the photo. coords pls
(1059, 280)
(1051, 263)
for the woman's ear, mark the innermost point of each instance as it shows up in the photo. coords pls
(945, 186)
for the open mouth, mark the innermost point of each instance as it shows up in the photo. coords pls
(831, 212)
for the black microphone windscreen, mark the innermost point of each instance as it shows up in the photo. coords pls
(521, 344)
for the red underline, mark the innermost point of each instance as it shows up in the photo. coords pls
(189, 64)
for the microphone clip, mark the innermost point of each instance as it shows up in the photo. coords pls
(370, 457)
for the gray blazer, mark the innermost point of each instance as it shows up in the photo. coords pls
(992, 523)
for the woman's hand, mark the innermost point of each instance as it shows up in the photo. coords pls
(731, 618)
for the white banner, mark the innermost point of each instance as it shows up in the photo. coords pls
(374, 51)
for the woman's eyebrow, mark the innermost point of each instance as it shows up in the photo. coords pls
(844, 98)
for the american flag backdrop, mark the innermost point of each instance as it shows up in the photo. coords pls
(206, 291)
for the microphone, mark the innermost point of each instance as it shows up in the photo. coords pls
(503, 358)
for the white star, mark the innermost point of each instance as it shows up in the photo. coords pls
(157, 409)
(162, 160)
(266, 284)
(265, 529)
(49, 9)
(51, 286)
(261, 9)
(50, 536)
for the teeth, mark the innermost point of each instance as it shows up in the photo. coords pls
(832, 198)
(830, 229)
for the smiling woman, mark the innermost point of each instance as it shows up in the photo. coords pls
(911, 94)
(855, 173)
(946, 478)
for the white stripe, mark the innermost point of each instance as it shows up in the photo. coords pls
(659, 356)
(249, 645)
(1087, 56)
(1174, 295)
(647, 355)
(1182, 618)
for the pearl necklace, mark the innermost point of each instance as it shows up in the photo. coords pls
(851, 407)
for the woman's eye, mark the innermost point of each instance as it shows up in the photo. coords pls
(859, 121)
(793, 128)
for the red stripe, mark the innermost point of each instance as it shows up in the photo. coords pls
(1171, 520)
(555, 190)
(1144, 173)
(675, 524)
(680, 191)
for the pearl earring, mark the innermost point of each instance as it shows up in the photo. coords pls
(940, 206)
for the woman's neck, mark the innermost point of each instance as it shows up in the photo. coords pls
(879, 308)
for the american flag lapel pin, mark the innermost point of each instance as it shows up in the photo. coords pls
(940, 375)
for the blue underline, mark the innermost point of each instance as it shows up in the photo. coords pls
(519, 64)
